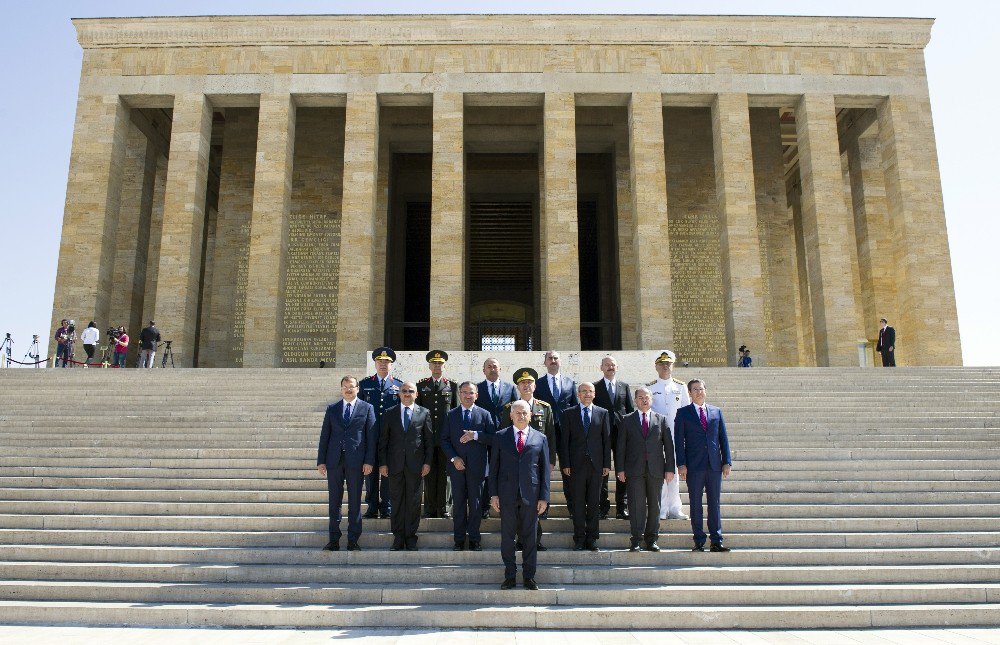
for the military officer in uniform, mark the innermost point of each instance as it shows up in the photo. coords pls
(669, 395)
(439, 395)
(382, 392)
(542, 419)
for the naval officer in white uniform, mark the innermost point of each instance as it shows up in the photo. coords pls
(669, 395)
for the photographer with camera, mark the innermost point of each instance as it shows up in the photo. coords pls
(90, 336)
(62, 346)
(148, 338)
(121, 347)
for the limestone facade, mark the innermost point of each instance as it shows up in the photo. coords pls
(269, 189)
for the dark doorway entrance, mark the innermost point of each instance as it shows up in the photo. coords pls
(600, 316)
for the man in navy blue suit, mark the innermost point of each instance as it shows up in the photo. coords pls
(466, 464)
(519, 491)
(346, 454)
(703, 459)
(560, 393)
(493, 395)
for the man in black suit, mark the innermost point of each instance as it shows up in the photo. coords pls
(646, 460)
(493, 395)
(886, 343)
(585, 456)
(519, 491)
(467, 464)
(346, 455)
(405, 448)
(614, 396)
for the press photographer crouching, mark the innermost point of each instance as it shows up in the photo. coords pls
(148, 338)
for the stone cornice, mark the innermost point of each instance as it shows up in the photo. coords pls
(659, 30)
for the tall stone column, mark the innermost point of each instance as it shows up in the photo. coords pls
(647, 162)
(177, 287)
(927, 330)
(357, 266)
(272, 198)
(737, 203)
(777, 238)
(229, 280)
(826, 233)
(876, 246)
(447, 288)
(560, 263)
(87, 247)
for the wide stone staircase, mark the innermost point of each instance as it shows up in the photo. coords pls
(858, 498)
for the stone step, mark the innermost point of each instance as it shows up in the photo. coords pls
(428, 556)
(336, 572)
(490, 595)
(558, 537)
(733, 511)
(318, 485)
(485, 617)
(236, 496)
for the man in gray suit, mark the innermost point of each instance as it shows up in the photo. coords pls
(405, 449)
(644, 460)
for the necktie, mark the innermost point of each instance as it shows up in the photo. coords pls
(555, 388)
(493, 393)
(381, 384)
(466, 419)
(520, 441)
(645, 425)
(347, 413)
(406, 419)
(704, 419)
(586, 420)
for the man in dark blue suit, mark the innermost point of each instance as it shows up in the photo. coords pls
(466, 464)
(560, 393)
(519, 491)
(346, 454)
(585, 454)
(703, 460)
(493, 395)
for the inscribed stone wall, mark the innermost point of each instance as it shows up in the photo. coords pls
(313, 262)
(695, 253)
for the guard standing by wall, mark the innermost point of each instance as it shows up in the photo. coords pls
(438, 394)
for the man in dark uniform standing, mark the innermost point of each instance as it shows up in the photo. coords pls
(381, 391)
(886, 343)
(437, 394)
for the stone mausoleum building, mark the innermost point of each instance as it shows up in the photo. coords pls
(276, 191)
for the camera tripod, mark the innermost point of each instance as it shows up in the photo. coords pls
(167, 353)
(31, 356)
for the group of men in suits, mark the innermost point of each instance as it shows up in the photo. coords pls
(496, 443)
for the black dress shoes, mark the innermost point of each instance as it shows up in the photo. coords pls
(699, 547)
(332, 546)
(593, 547)
(508, 583)
(718, 548)
(578, 546)
(371, 515)
(411, 547)
(486, 515)
(529, 584)
(519, 546)
(541, 547)
(603, 516)
(396, 546)
(353, 546)
(475, 546)
(621, 515)
(635, 547)
(384, 515)
(459, 546)
(653, 546)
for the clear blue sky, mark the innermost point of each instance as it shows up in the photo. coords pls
(41, 66)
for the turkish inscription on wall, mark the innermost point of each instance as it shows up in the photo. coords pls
(695, 238)
(312, 265)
